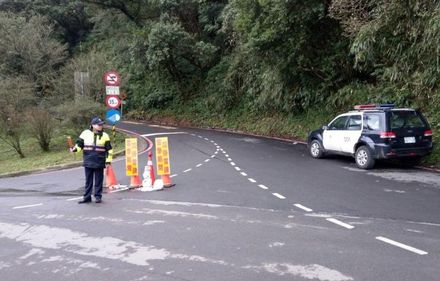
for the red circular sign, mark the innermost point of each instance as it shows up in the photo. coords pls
(112, 78)
(113, 101)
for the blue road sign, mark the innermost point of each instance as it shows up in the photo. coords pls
(113, 116)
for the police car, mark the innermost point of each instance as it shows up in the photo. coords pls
(374, 131)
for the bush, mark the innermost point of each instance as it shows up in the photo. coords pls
(42, 126)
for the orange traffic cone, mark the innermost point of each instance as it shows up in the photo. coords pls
(151, 167)
(111, 180)
(166, 179)
(135, 181)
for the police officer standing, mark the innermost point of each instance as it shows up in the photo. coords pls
(97, 154)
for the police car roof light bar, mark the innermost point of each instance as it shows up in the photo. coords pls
(374, 106)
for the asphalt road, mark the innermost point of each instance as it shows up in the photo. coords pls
(243, 208)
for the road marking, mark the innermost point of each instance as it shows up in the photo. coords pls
(226, 155)
(263, 186)
(164, 127)
(243, 174)
(28, 206)
(206, 139)
(212, 141)
(212, 156)
(232, 163)
(198, 165)
(207, 160)
(252, 180)
(279, 195)
(73, 199)
(186, 171)
(237, 168)
(229, 159)
(400, 245)
(303, 207)
(338, 222)
(160, 134)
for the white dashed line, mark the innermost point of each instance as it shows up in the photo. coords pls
(243, 174)
(206, 139)
(303, 207)
(229, 159)
(263, 186)
(212, 141)
(198, 165)
(252, 180)
(73, 199)
(340, 223)
(175, 175)
(237, 168)
(400, 245)
(226, 155)
(186, 171)
(232, 163)
(212, 156)
(207, 160)
(27, 206)
(279, 195)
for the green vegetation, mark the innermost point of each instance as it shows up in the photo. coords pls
(265, 66)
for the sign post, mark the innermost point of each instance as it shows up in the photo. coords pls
(112, 80)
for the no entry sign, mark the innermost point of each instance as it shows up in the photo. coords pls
(113, 101)
(112, 78)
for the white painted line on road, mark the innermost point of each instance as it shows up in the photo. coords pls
(237, 168)
(175, 175)
(279, 195)
(27, 206)
(226, 155)
(164, 127)
(198, 165)
(229, 159)
(263, 186)
(232, 163)
(400, 245)
(303, 207)
(207, 160)
(193, 135)
(160, 134)
(212, 156)
(186, 171)
(243, 174)
(73, 199)
(252, 180)
(119, 190)
(338, 222)
(212, 141)
(206, 139)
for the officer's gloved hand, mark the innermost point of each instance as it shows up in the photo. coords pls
(73, 149)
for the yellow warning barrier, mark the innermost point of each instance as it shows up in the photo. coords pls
(131, 157)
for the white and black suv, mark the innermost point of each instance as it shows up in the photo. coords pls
(374, 131)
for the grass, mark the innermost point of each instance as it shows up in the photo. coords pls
(36, 159)
(295, 126)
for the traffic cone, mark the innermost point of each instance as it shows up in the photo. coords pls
(148, 183)
(135, 182)
(166, 179)
(110, 181)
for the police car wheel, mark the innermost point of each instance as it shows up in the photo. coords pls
(364, 158)
(315, 149)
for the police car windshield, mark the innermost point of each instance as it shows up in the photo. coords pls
(405, 119)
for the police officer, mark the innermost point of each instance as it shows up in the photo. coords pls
(97, 154)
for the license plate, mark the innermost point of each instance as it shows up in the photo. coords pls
(410, 140)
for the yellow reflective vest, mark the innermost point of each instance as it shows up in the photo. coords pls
(96, 147)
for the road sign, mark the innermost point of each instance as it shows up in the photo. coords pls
(113, 101)
(162, 156)
(113, 116)
(131, 157)
(112, 78)
(112, 90)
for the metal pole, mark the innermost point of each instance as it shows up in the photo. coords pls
(114, 135)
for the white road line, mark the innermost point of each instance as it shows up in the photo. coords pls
(252, 180)
(198, 165)
(186, 171)
(160, 134)
(338, 222)
(207, 160)
(27, 206)
(303, 207)
(206, 139)
(237, 168)
(73, 199)
(212, 156)
(119, 190)
(164, 127)
(215, 143)
(263, 186)
(279, 195)
(229, 159)
(232, 163)
(193, 135)
(400, 245)
(243, 174)
(212, 141)
(175, 175)
(226, 155)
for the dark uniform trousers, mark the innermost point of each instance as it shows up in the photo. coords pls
(98, 175)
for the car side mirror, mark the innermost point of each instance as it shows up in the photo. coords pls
(325, 127)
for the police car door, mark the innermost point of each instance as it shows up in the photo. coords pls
(333, 135)
(352, 133)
